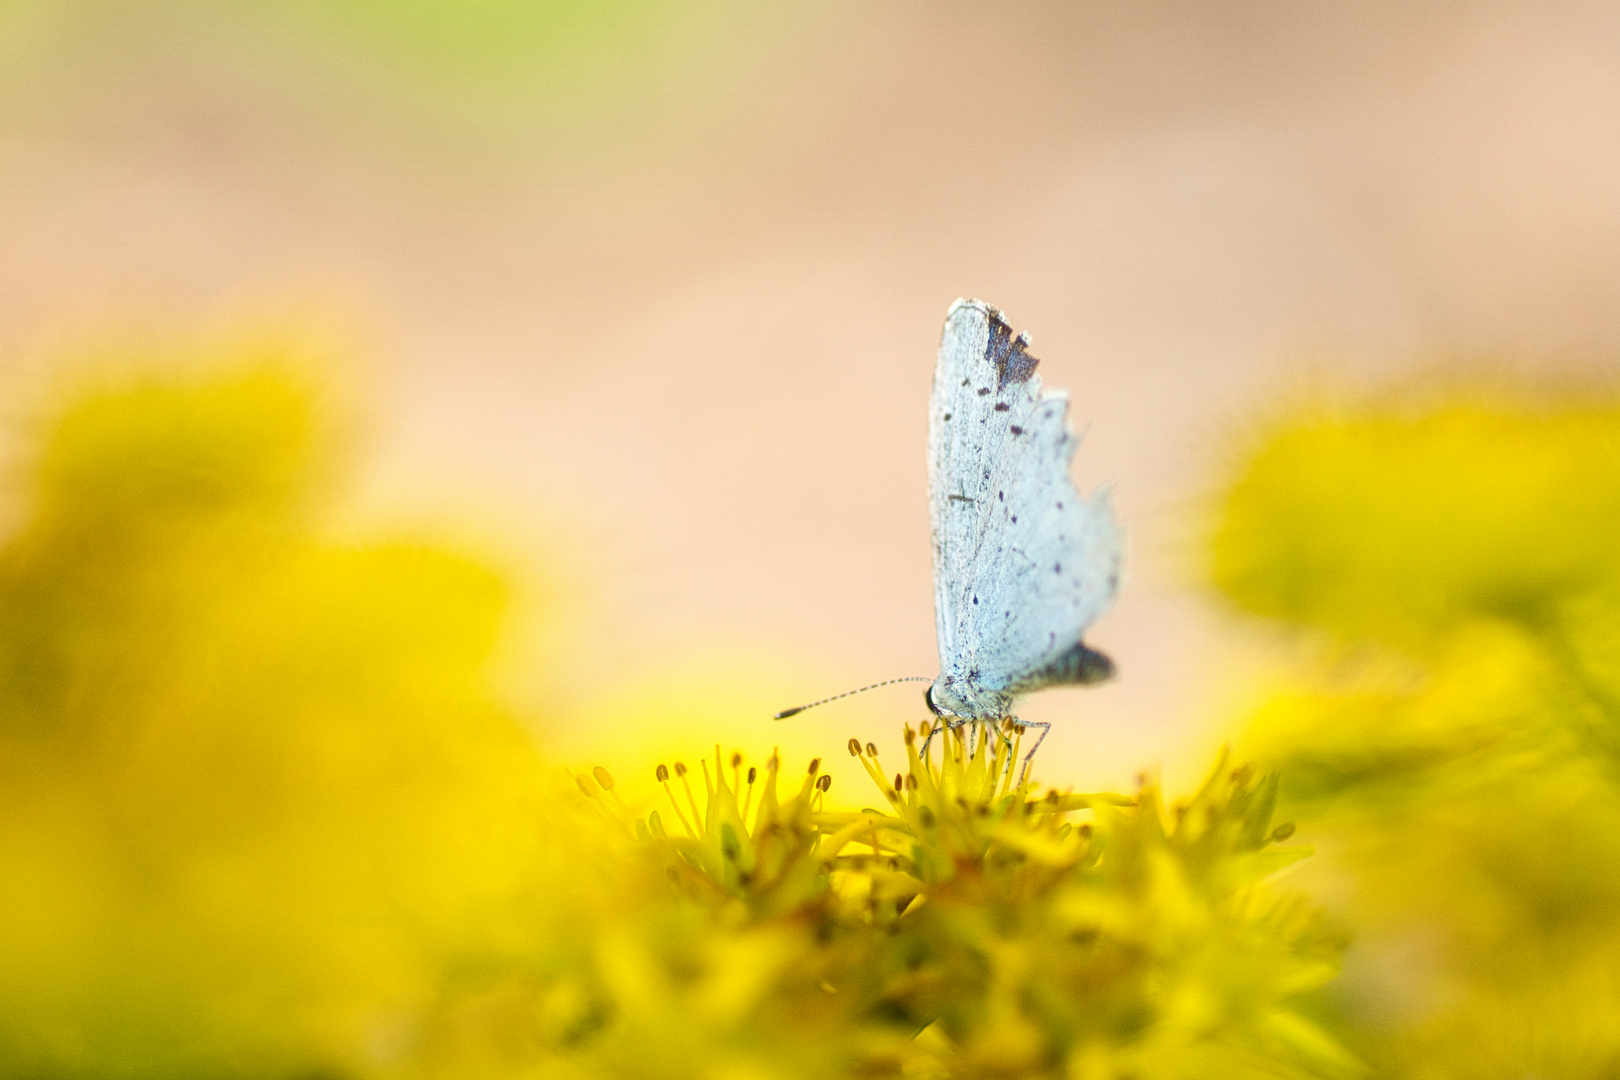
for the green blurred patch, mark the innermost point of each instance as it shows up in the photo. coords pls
(472, 34)
(1455, 742)
(503, 58)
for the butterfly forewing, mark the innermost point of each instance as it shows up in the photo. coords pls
(1022, 564)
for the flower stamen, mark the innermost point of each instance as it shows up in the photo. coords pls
(680, 771)
(662, 776)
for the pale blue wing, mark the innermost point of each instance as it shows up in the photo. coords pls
(1022, 564)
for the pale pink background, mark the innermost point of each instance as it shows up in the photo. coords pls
(674, 340)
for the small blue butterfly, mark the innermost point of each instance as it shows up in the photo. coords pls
(1023, 565)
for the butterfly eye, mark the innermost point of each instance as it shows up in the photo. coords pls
(928, 699)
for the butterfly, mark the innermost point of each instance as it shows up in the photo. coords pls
(1023, 564)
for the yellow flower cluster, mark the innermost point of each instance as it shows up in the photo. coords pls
(1452, 733)
(974, 927)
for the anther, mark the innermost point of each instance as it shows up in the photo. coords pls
(899, 782)
(585, 786)
(911, 782)
(825, 782)
(815, 766)
(662, 774)
(854, 748)
(603, 777)
(736, 759)
(752, 772)
(680, 768)
(871, 748)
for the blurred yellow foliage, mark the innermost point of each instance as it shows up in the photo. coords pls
(1454, 739)
(255, 796)
(262, 816)
(1392, 526)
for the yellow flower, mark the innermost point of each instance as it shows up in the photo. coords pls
(975, 926)
(1459, 748)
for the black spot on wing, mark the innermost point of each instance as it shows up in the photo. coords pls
(1002, 406)
(1006, 352)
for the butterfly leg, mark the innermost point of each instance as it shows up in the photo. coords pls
(993, 729)
(949, 725)
(1045, 727)
(923, 753)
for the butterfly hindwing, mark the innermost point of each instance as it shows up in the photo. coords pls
(1022, 564)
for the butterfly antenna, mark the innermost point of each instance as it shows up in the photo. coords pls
(785, 713)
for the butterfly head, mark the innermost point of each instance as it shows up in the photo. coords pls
(951, 695)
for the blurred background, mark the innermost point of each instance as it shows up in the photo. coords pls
(403, 398)
(650, 291)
